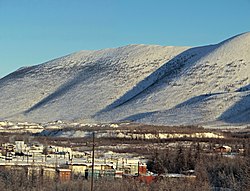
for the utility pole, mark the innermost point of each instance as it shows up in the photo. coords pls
(56, 164)
(93, 162)
(28, 157)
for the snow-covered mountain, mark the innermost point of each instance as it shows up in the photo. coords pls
(142, 83)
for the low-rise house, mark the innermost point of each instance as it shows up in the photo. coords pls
(49, 173)
(7, 150)
(64, 174)
(118, 173)
(77, 154)
(36, 148)
(8, 147)
(85, 169)
(142, 169)
(223, 149)
(103, 166)
(56, 149)
(132, 166)
(79, 168)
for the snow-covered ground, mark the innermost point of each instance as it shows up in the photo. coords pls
(142, 83)
(11, 127)
(128, 134)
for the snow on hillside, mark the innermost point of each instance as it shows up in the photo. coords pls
(205, 89)
(80, 84)
(143, 83)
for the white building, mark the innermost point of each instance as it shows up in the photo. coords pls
(20, 146)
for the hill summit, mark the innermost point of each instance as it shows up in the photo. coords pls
(141, 83)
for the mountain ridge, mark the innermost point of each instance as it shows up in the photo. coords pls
(144, 83)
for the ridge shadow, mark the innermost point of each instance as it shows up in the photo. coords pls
(86, 73)
(171, 68)
(240, 111)
(191, 101)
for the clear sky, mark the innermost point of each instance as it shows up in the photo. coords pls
(35, 31)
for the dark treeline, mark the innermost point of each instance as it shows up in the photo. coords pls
(212, 169)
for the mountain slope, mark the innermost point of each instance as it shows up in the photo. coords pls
(210, 87)
(78, 85)
(144, 83)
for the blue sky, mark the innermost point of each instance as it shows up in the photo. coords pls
(35, 31)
